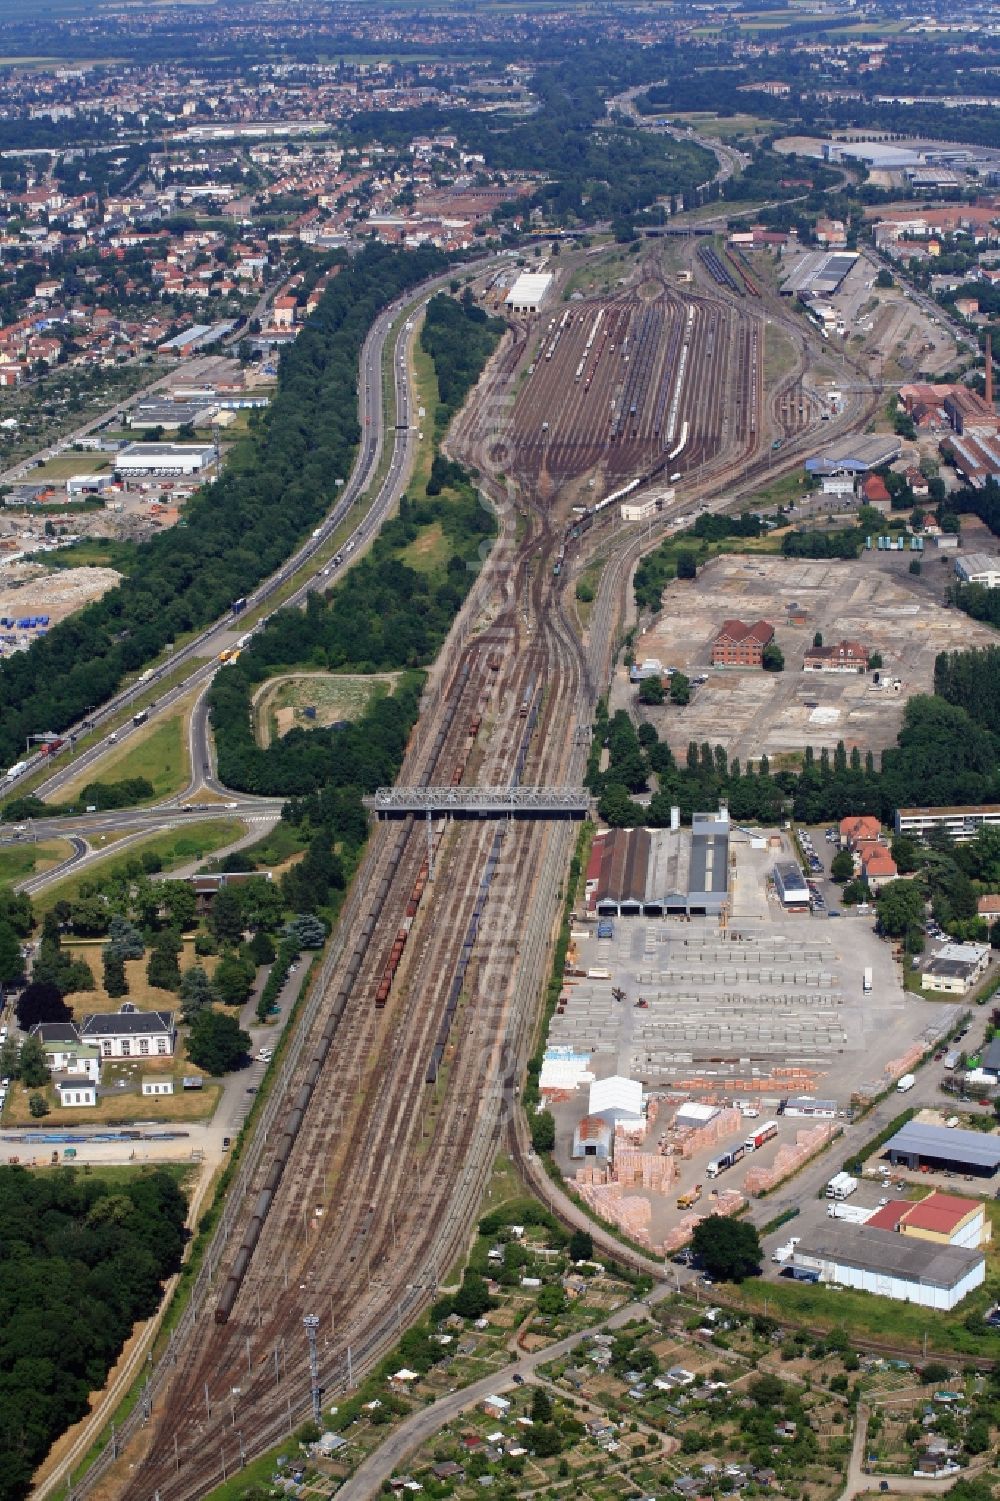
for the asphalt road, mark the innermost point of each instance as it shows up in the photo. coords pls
(423, 1424)
(219, 635)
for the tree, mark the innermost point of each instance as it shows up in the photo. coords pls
(875, 661)
(472, 1299)
(541, 1406)
(854, 893)
(308, 931)
(687, 565)
(728, 1249)
(115, 979)
(216, 1042)
(234, 977)
(38, 1106)
(11, 962)
(767, 1390)
(935, 1373)
(651, 691)
(10, 1059)
(551, 1300)
(41, 1001)
(163, 970)
(884, 278)
(900, 907)
(680, 689)
(226, 917)
(773, 659)
(842, 866)
(546, 1441)
(196, 992)
(261, 948)
(180, 903)
(126, 938)
(32, 1068)
(543, 1131)
(818, 638)
(581, 1246)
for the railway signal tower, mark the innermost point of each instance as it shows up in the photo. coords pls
(311, 1325)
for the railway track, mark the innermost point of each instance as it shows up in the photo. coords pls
(364, 1189)
(372, 1160)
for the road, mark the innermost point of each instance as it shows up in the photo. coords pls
(368, 1478)
(200, 655)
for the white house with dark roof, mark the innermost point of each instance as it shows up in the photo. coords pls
(65, 1053)
(129, 1033)
(75, 1092)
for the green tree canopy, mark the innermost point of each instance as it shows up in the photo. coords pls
(728, 1249)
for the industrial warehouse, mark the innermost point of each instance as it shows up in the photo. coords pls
(661, 872)
(904, 1267)
(917, 1145)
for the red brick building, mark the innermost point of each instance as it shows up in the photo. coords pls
(846, 656)
(740, 645)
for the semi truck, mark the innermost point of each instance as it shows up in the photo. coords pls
(867, 982)
(905, 1083)
(841, 1186)
(15, 770)
(727, 1160)
(141, 717)
(783, 1253)
(854, 1214)
(763, 1133)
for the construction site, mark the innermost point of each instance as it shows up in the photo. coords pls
(754, 713)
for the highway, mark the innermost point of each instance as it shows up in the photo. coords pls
(201, 653)
(201, 656)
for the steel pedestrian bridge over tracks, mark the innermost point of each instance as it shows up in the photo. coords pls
(481, 802)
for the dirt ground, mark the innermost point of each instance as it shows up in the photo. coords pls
(29, 589)
(751, 713)
(280, 704)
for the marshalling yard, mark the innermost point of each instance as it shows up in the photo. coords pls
(637, 383)
(356, 1194)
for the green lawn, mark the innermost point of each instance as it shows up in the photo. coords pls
(20, 860)
(158, 752)
(177, 847)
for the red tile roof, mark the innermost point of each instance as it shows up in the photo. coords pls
(940, 1213)
(887, 1218)
(737, 630)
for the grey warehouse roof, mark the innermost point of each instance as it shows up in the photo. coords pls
(905, 1256)
(854, 454)
(709, 867)
(937, 1141)
(126, 1023)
